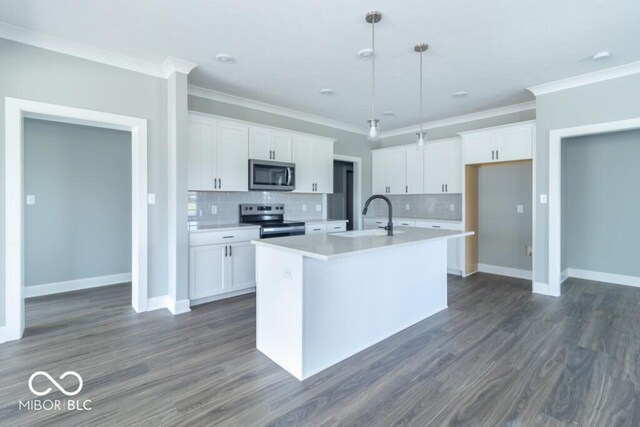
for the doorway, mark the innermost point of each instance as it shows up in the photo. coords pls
(16, 111)
(341, 201)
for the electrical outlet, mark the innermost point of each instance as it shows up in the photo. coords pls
(520, 209)
(304, 207)
(544, 199)
(529, 250)
(151, 198)
(286, 273)
(452, 207)
(31, 199)
(214, 210)
(407, 206)
(318, 208)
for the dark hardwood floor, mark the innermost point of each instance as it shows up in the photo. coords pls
(498, 356)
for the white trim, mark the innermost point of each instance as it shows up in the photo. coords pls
(157, 303)
(543, 289)
(357, 170)
(178, 307)
(222, 296)
(479, 115)
(176, 65)
(597, 276)
(555, 207)
(3, 331)
(586, 79)
(226, 98)
(76, 285)
(504, 271)
(564, 275)
(90, 53)
(15, 111)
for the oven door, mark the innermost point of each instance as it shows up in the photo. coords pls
(271, 176)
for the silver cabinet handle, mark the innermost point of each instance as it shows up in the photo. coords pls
(227, 237)
(215, 183)
(406, 188)
(497, 154)
(274, 154)
(225, 251)
(443, 188)
(230, 247)
(493, 155)
(219, 182)
(435, 226)
(446, 188)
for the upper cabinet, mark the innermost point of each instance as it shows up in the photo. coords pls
(270, 144)
(219, 151)
(217, 155)
(314, 164)
(443, 166)
(499, 144)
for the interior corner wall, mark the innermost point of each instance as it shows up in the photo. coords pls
(600, 203)
(601, 102)
(347, 143)
(36, 74)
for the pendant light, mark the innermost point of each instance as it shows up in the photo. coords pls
(421, 48)
(374, 131)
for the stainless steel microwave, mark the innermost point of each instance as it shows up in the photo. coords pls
(265, 175)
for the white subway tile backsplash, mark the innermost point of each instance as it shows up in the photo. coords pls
(427, 206)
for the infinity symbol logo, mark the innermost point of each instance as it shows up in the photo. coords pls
(54, 382)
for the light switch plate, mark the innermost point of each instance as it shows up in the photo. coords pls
(452, 207)
(543, 199)
(318, 208)
(31, 199)
(151, 198)
(214, 210)
(520, 209)
(304, 207)
(407, 206)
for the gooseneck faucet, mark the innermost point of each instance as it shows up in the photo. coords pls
(389, 226)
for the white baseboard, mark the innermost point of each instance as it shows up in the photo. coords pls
(3, 337)
(76, 285)
(564, 275)
(504, 271)
(165, 301)
(543, 289)
(223, 296)
(597, 276)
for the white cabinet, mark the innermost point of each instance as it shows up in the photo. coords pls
(314, 164)
(270, 144)
(499, 144)
(443, 166)
(455, 256)
(336, 227)
(216, 269)
(217, 155)
(414, 172)
(328, 227)
(397, 170)
(315, 228)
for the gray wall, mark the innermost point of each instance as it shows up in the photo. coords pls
(347, 143)
(36, 74)
(80, 226)
(606, 101)
(601, 203)
(503, 233)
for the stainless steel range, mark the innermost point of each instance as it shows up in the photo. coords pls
(270, 218)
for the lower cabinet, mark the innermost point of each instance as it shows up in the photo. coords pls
(216, 268)
(327, 227)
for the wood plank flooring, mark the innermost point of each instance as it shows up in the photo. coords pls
(498, 356)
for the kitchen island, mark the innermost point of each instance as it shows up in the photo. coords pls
(324, 297)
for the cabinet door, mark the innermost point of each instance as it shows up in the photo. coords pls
(453, 164)
(324, 167)
(207, 271)
(233, 157)
(378, 172)
(242, 266)
(202, 162)
(414, 170)
(434, 168)
(303, 157)
(514, 143)
(336, 228)
(396, 170)
(281, 144)
(478, 148)
(260, 144)
(453, 254)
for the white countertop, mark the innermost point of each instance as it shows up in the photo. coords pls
(196, 227)
(330, 246)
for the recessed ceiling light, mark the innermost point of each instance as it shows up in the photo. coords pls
(225, 58)
(388, 113)
(601, 55)
(365, 53)
(460, 94)
(326, 91)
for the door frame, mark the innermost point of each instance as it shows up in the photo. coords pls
(16, 110)
(357, 187)
(555, 202)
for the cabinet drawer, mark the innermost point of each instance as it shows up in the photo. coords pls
(439, 225)
(315, 228)
(336, 227)
(374, 222)
(404, 223)
(222, 237)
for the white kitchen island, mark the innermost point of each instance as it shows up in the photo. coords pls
(324, 297)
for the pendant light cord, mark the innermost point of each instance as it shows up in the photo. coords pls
(373, 68)
(421, 93)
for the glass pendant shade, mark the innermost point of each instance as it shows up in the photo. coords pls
(421, 139)
(374, 130)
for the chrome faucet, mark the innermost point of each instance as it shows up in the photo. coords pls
(389, 226)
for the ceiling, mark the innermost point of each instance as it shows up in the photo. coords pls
(287, 50)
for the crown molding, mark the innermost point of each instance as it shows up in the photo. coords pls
(586, 79)
(67, 47)
(485, 114)
(226, 98)
(176, 65)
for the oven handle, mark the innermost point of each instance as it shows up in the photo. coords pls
(268, 230)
